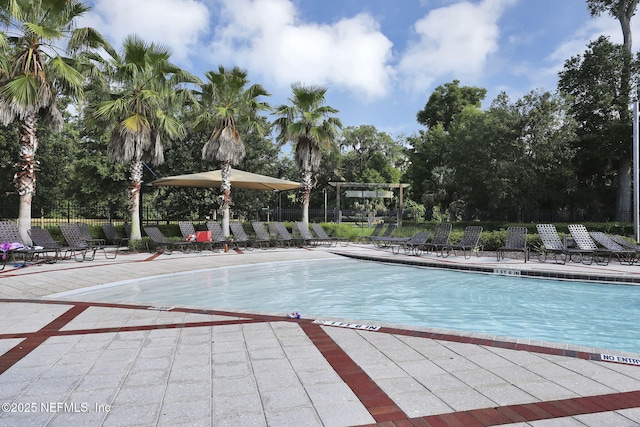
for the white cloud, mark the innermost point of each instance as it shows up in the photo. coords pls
(173, 23)
(456, 39)
(267, 37)
(590, 31)
(576, 44)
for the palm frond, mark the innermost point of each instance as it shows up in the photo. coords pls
(136, 124)
(88, 38)
(145, 94)
(54, 118)
(230, 108)
(68, 75)
(308, 124)
(21, 90)
(46, 33)
(155, 153)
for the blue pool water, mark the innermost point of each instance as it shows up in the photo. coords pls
(595, 315)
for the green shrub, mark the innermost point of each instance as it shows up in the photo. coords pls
(143, 245)
(492, 240)
(345, 230)
(56, 234)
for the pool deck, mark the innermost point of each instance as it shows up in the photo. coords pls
(67, 363)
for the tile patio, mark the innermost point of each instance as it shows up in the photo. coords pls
(96, 364)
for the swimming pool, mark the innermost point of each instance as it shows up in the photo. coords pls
(594, 315)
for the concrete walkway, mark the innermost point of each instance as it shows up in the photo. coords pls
(68, 363)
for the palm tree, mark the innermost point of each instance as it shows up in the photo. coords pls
(147, 90)
(311, 126)
(34, 71)
(229, 108)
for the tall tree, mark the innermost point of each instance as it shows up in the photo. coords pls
(367, 152)
(147, 91)
(34, 70)
(229, 107)
(593, 83)
(515, 155)
(310, 125)
(447, 101)
(546, 140)
(430, 176)
(623, 11)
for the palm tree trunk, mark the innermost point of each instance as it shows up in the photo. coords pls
(225, 197)
(224, 223)
(136, 172)
(24, 217)
(305, 194)
(25, 176)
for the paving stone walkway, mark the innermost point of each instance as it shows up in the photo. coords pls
(101, 364)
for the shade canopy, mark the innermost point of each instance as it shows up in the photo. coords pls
(239, 179)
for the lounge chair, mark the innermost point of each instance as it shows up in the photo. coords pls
(80, 248)
(516, 242)
(217, 235)
(188, 230)
(240, 237)
(12, 245)
(307, 237)
(626, 243)
(589, 250)
(189, 233)
(392, 242)
(375, 233)
(112, 235)
(324, 236)
(295, 233)
(271, 226)
(85, 233)
(553, 245)
(385, 239)
(127, 229)
(263, 234)
(440, 238)
(76, 240)
(165, 244)
(467, 244)
(281, 231)
(42, 238)
(413, 245)
(624, 255)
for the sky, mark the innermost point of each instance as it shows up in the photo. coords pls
(380, 60)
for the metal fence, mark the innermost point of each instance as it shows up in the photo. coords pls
(103, 212)
(65, 212)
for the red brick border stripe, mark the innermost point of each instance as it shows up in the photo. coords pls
(150, 258)
(135, 328)
(377, 402)
(489, 342)
(33, 340)
(526, 412)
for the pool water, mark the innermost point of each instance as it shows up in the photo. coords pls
(595, 315)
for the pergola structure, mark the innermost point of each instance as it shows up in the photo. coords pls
(390, 186)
